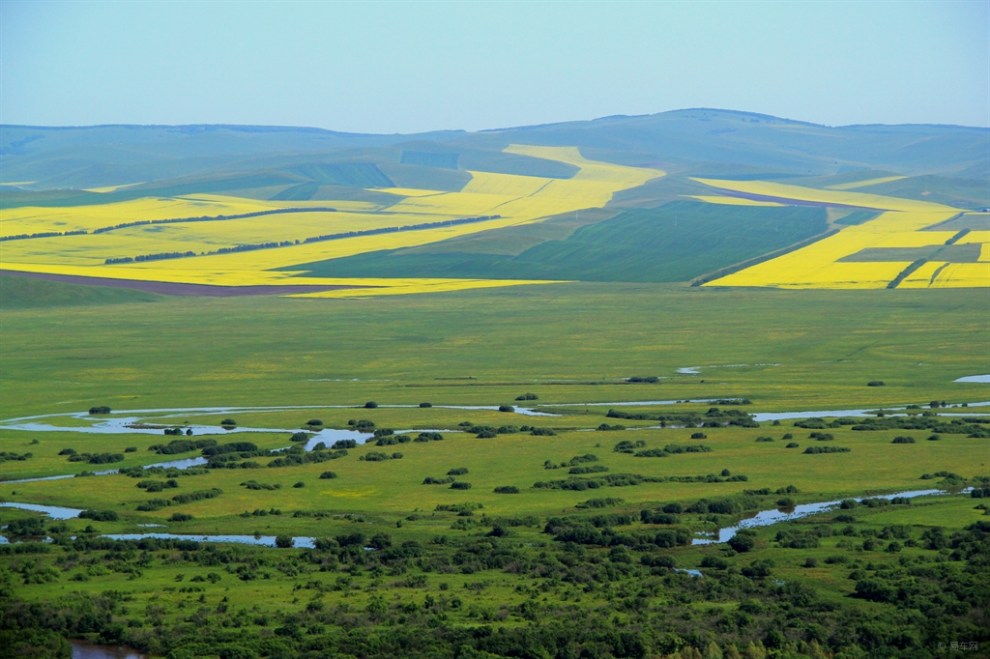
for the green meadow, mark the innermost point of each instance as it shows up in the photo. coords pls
(785, 350)
(517, 544)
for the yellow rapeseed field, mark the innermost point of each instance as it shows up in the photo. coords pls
(901, 224)
(964, 275)
(514, 199)
(733, 201)
(865, 183)
(35, 219)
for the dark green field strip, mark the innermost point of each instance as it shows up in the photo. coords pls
(971, 221)
(969, 253)
(857, 217)
(676, 242)
(959, 192)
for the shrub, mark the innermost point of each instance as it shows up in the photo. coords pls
(527, 396)
(99, 515)
(100, 409)
(370, 405)
(457, 471)
(627, 446)
(903, 439)
(284, 541)
(875, 383)
(699, 435)
(460, 485)
(714, 563)
(506, 489)
(743, 541)
(327, 475)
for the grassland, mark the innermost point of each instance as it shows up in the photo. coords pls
(783, 350)
(788, 350)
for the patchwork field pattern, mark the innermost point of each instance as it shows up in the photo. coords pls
(903, 223)
(208, 244)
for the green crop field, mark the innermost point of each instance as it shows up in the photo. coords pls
(687, 240)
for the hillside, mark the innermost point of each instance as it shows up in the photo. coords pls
(674, 197)
(718, 141)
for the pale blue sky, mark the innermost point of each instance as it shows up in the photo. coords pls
(388, 67)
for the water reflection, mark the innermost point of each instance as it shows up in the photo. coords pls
(777, 515)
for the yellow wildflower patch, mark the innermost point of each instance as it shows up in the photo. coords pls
(964, 275)
(924, 276)
(865, 183)
(733, 201)
(902, 224)
(508, 199)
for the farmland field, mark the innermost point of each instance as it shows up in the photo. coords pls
(243, 251)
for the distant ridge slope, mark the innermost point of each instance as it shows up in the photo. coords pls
(698, 140)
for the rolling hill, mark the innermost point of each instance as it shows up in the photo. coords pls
(524, 201)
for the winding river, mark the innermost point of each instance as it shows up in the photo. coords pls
(127, 421)
(763, 518)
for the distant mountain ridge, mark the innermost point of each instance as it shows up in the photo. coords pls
(686, 141)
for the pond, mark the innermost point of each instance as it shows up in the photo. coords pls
(55, 512)
(255, 540)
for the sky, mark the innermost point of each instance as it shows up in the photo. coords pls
(414, 66)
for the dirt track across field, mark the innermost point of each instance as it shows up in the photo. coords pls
(169, 288)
